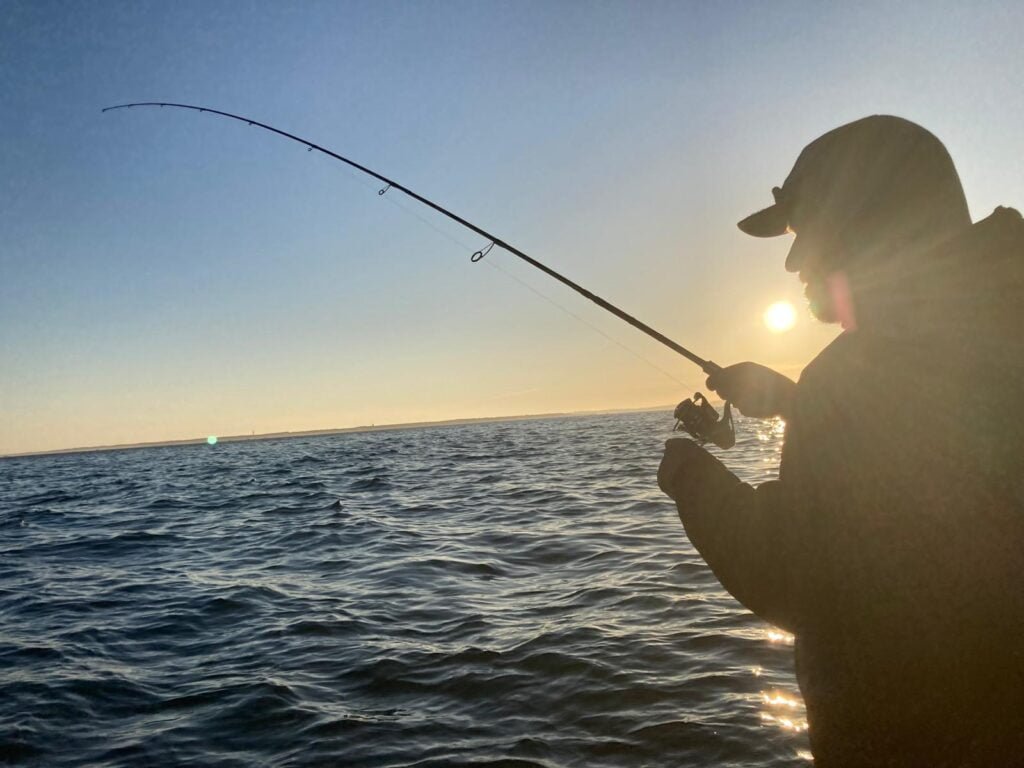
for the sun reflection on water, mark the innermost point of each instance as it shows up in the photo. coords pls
(781, 709)
(784, 711)
(778, 636)
(795, 725)
(770, 430)
(779, 700)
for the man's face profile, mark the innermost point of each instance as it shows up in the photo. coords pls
(811, 256)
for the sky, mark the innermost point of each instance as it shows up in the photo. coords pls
(169, 275)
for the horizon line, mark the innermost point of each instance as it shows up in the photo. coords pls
(327, 431)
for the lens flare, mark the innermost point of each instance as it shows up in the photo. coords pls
(779, 317)
(212, 440)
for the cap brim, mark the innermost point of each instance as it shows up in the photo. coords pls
(771, 222)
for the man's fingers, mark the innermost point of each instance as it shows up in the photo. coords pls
(733, 383)
(723, 379)
(676, 451)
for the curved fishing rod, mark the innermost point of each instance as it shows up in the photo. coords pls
(708, 366)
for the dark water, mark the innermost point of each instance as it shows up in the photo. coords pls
(513, 594)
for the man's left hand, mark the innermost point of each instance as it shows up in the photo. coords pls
(682, 456)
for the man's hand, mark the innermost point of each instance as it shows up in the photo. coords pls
(682, 456)
(757, 391)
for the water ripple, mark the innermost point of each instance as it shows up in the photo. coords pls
(515, 594)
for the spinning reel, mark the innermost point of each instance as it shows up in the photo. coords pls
(700, 419)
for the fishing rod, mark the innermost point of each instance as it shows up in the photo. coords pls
(694, 415)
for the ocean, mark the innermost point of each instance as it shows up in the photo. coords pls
(495, 594)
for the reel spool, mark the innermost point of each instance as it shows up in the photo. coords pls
(701, 421)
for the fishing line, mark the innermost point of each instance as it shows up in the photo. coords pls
(382, 192)
(707, 365)
(696, 415)
(532, 289)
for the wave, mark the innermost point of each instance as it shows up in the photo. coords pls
(515, 595)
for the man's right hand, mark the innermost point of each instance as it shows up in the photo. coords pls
(757, 391)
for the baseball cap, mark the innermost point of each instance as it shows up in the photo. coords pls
(880, 172)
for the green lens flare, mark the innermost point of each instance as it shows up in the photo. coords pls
(212, 439)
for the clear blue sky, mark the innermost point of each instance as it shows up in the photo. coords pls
(167, 274)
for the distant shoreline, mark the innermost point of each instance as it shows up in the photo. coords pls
(336, 431)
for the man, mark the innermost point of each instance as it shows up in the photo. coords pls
(892, 544)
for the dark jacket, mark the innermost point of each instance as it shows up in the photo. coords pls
(892, 544)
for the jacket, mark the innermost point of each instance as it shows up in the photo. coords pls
(892, 544)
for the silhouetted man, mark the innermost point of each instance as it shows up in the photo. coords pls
(892, 544)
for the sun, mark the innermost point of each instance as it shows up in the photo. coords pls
(779, 317)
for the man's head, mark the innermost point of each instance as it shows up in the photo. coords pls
(862, 195)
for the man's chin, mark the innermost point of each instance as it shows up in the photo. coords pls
(820, 303)
(824, 314)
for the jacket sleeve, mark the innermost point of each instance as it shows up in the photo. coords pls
(770, 546)
(743, 534)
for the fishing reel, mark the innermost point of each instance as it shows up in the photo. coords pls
(700, 419)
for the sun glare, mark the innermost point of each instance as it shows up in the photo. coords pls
(779, 317)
